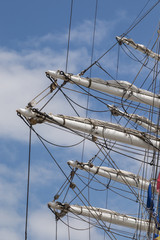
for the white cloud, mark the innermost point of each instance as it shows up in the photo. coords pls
(11, 202)
(10, 191)
(13, 219)
(84, 33)
(43, 226)
(6, 234)
(22, 77)
(44, 175)
(80, 35)
(13, 183)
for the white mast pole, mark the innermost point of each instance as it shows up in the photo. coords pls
(116, 89)
(106, 215)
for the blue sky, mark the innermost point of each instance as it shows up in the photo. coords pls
(33, 39)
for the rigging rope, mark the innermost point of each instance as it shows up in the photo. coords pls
(92, 53)
(124, 34)
(28, 183)
(69, 33)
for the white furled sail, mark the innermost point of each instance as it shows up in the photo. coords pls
(142, 121)
(139, 47)
(106, 215)
(113, 174)
(115, 87)
(96, 128)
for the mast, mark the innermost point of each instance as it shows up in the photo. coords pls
(118, 88)
(106, 215)
(96, 128)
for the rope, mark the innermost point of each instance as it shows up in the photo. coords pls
(124, 34)
(69, 33)
(56, 232)
(28, 183)
(92, 53)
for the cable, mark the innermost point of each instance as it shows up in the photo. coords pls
(28, 183)
(133, 25)
(69, 33)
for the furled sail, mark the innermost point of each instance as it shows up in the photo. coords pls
(115, 87)
(142, 121)
(113, 174)
(107, 215)
(96, 128)
(139, 47)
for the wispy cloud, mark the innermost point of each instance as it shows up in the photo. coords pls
(80, 35)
